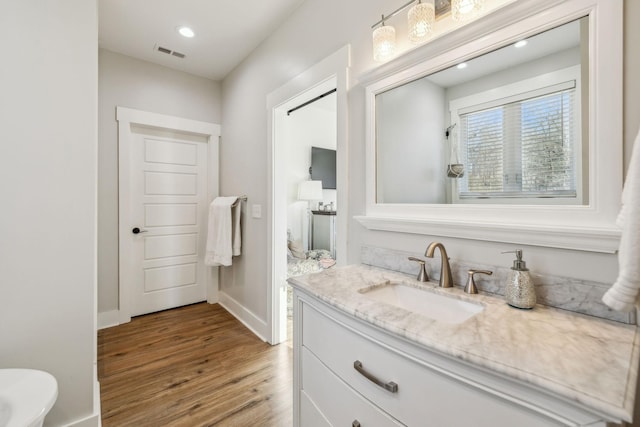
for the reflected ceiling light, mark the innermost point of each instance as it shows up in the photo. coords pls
(462, 10)
(186, 32)
(521, 43)
(384, 42)
(461, 65)
(421, 18)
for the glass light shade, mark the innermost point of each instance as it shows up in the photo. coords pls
(421, 19)
(384, 43)
(463, 10)
(310, 190)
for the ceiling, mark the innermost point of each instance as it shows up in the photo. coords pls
(226, 31)
(546, 43)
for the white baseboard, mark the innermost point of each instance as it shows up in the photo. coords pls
(91, 421)
(245, 316)
(95, 419)
(107, 319)
(97, 406)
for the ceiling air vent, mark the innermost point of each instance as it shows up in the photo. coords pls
(169, 51)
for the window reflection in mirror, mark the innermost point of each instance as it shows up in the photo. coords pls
(508, 127)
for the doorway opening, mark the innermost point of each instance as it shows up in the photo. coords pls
(309, 136)
(306, 236)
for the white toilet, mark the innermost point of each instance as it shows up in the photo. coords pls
(26, 396)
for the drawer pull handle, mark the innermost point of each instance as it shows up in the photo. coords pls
(389, 386)
(356, 423)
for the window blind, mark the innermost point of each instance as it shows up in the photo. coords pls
(523, 147)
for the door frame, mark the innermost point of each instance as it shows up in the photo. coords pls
(331, 72)
(127, 117)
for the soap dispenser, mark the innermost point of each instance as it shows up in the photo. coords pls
(520, 291)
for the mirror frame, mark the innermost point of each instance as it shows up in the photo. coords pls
(585, 227)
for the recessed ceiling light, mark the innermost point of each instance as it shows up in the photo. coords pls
(462, 65)
(521, 43)
(186, 32)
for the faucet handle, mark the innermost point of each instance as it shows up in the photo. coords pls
(471, 288)
(422, 275)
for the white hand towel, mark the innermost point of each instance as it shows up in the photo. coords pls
(623, 295)
(223, 234)
(236, 210)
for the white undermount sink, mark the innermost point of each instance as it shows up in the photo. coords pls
(435, 306)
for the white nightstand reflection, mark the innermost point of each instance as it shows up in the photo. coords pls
(323, 234)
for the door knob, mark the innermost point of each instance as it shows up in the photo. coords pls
(136, 230)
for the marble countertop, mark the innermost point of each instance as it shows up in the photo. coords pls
(584, 359)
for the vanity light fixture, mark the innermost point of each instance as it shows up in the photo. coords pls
(186, 32)
(384, 42)
(463, 10)
(421, 18)
(521, 43)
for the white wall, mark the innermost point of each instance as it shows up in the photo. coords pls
(129, 82)
(305, 128)
(299, 43)
(528, 70)
(631, 80)
(412, 151)
(49, 84)
(631, 105)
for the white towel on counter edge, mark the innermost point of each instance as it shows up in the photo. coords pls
(623, 294)
(224, 239)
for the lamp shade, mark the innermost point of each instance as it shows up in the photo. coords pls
(462, 10)
(421, 19)
(310, 190)
(384, 43)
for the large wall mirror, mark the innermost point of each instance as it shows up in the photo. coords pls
(504, 127)
(514, 136)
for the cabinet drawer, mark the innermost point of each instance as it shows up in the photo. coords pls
(335, 400)
(424, 396)
(310, 415)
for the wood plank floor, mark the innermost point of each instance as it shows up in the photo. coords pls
(192, 366)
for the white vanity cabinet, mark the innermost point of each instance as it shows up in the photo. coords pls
(430, 389)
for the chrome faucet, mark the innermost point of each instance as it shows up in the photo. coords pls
(445, 269)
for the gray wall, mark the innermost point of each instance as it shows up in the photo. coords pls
(301, 42)
(631, 105)
(411, 153)
(631, 73)
(49, 86)
(128, 82)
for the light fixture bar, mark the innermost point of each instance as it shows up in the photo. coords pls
(441, 6)
(392, 14)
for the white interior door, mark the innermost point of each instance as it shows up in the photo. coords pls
(168, 183)
(167, 174)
